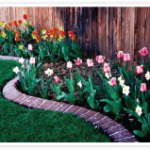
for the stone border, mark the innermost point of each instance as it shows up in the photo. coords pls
(115, 130)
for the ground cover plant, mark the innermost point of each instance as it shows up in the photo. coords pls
(20, 124)
(58, 70)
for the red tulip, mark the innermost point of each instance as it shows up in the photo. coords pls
(143, 51)
(126, 57)
(100, 59)
(143, 87)
(120, 54)
(56, 78)
(107, 68)
(90, 63)
(78, 62)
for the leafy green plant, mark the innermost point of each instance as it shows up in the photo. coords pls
(57, 89)
(70, 84)
(89, 89)
(28, 79)
(44, 88)
(111, 95)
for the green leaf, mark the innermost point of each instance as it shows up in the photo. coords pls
(91, 100)
(107, 101)
(130, 104)
(108, 108)
(70, 84)
(138, 133)
(61, 96)
(56, 89)
(117, 106)
(70, 97)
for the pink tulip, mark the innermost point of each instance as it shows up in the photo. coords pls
(112, 82)
(32, 60)
(100, 59)
(126, 57)
(56, 78)
(107, 68)
(120, 54)
(78, 62)
(143, 51)
(69, 64)
(30, 48)
(90, 63)
(139, 69)
(143, 87)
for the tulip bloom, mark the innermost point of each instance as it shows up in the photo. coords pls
(70, 33)
(49, 72)
(100, 59)
(120, 54)
(126, 90)
(56, 78)
(69, 64)
(17, 39)
(38, 39)
(62, 33)
(3, 34)
(79, 84)
(139, 69)
(32, 60)
(30, 47)
(126, 57)
(21, 60)
(112, 82)
(107, 68)
(147, 75)
(20, 21)
(143, 87)
(50, 31)
(34, 34)
(55, 36)
(138, 110)
(10, 24)
(78, 62)
(25, 16)
(143, 51)
(16, 70)
(16, 24)
(90, 63)
(73, 37)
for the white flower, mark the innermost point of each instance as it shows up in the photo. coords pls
(119, 78)
(16, 70)
(107, 75)
(147, 75)
(126, 90)
(138, 110)
(121, 82)
(79, 84)
(137, 100)
(49, 72)
(21, 60)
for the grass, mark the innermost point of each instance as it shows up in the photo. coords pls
(20, 124)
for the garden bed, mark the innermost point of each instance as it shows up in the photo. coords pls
(60, 69)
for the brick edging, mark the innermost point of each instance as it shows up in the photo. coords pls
(115, 130)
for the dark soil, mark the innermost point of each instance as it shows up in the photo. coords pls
(60, 70)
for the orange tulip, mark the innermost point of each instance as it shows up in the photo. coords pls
(38, 39)
(20, 21)
(55, 35)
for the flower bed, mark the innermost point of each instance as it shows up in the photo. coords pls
(100, 85)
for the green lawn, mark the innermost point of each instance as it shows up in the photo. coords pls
(20, 124)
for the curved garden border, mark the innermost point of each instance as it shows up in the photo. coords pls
(115, 130)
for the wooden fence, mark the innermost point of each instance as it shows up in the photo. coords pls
(100, 30)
